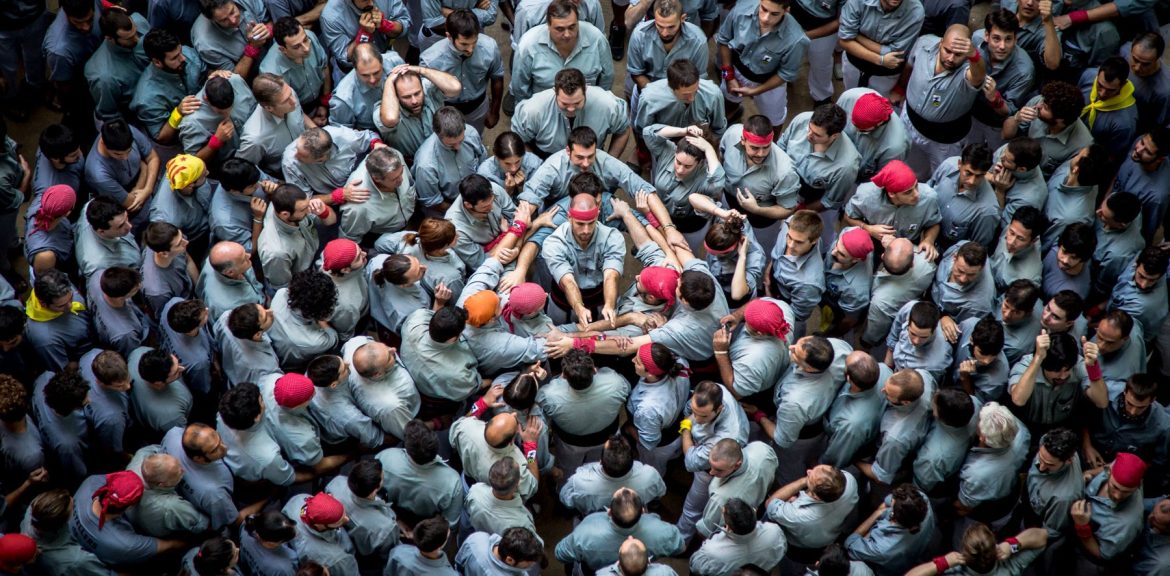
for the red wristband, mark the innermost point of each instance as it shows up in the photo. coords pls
(940, 564)
(977, 56)
(479, 407)
(374, 143)
(325, 98)
(386, 26)
(587, 344)
(1084, 531)
(337, 196)
(106, 5)
(1013, 541)
(324, 213)
(757, 416)
(361, 37)
(529, 448)
(728, 72)
(1078, 16)
(1094, 372)
(654, 223)
(214, 143)
(251, 51)
(518, 228)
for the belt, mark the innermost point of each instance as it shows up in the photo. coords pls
(814, 430)
(745, 71)
(982, 112)
(469, 106)
(868, 69)
(592, 297)
(941, 132)
(671, 433)
(807, 20)
(430, 407)
(758, 222)
(809, 193)
(989, 512)
(585, 440)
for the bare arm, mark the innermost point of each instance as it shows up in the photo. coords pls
(389, 113)
(449, 85)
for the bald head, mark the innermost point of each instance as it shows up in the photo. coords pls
(229, 259)
(898, 256)
(500, 430)
(861, 369)
(632, 557)
(373, 360)
(956, 31)
(908, 384)
(201, 442)
(726, 451)
(161, 471)
(583, 202)
(366, 54)
(625, 508)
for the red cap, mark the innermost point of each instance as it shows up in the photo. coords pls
(857, 243)
(322, 509)
(16, 550)
(122, 490)
(895, 177)
(766, 317)
(870, 110)
(1128, 470)
(293, 389)
(339, 254)
(660, 282)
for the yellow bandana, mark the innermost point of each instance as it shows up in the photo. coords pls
(38, 313)
(1120, 102)
(184, 170)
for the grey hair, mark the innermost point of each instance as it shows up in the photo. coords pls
(51, 285)
(997, 426)
(448, 122)
(504, 475)
(318, 142)
(382, 161)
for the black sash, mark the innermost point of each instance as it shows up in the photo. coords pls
(469, 106)
(806, 20)
(745, 71)
(868, 69)
(941, 132)
(585, 440)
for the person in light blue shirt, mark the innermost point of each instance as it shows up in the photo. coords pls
(1154, 554)
(379, 22)
(58, 553)
(59, 407)
(355, 100)
(71, 39)
(381, 387)
(410, 97)
(425, 557)
(118, 323)
(227, 279)
(1010, 67)
(251, 452)
(514, 552)
(711, 415)
(878, 134)
(474, 59)
(438, 357)
(59, 160)
(1141, 292)
(222, 101)
(682, 98)
(276, 122)
(590, 488)
(755, 356)
(1047, 385)
(545, 120)
(183, 201)
(909, 212)
(893, 27)
(237, 202)
(594, 543)
(582, 406)
(814, 509)
(232, 34)
(963, 287)
(321, 160)
(300, 60)
(434, 14)
(1132, 423)
(980, 365)
(760, 53)
(372, 526)
(159, 399)
(1122, 347)
(988, 488)
(1052, 118)
(895, 537)
(108, 410)
(298, 335)
(1116, 127)
(539, 52)
(246, 353)
(452, 151)
(826, 161)
(183, 331)
(265, 548)
(167, 270)
(1017, 256)
(953, 428)
(550, 182)
(1068, 265)
(966, 202)
(58, 326)
(796, 271)
(854, 419)
(114, 69)
(658, 42)
(396, 289)
(335, 409)
(1112, 508)
(114, 169)
(173, 14)
(162, 512)
(1119, 241)
(905, 423)
(529, 14)
(903, 275)
(115, 543)
(417, 480)
(740, 540)
(104, 239)
(1144, 173)
(762, 182)
(656, 405)
(1054, 481)
(322, 536)
(1073, 189)
(917, 340)
(289, 420)
(168, 84)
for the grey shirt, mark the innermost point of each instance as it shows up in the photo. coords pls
(474, 72)
(872, 205)
(937, 96)
(812, 523)
(647, 56)
(781, 51)
(331, 548)
(829, 174)
(537, 60)
(966, 214)
(538, 120)
(438, 169)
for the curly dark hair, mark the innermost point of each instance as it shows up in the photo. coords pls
(312, 294)
(1064, 100)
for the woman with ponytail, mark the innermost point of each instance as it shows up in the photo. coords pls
(735, 258)
(216, 557)
(264, 545)
(656, 404)
(433, 246)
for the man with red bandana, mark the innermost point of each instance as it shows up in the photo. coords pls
(896, 204)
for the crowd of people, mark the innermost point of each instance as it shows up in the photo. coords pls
(276, 310)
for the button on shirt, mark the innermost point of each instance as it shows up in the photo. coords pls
(943, 96)
(812, 523)
(541, 122)
(966, 214)
(829, 174)
(474, 72)
(895, 30)
(1056, 147)
(962, 301)
(872, 205)
(537, 60)
(773, 183)
(412, 129)
(1049, 405)
(648, 56)
(306, 78)
(781, 51)
(564, 256)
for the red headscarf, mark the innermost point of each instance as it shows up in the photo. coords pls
(122, 490)
(895, 177)
(56, 202)
(870, 110)
(660, 282)
(522, 301)
(766, 317)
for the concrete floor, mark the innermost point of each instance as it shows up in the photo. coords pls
(553, 522)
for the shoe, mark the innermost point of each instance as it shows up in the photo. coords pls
(509, 104)
(617, 42)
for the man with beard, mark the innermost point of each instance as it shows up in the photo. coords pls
(1142, 290)
(1047, 386)
(1067, 265)
(301, 61)
(452, 151)
(585, 259)
(410, 97)
(115, 68)
(1146, 175)
(289, 239)
(227, 279)
(1053, 118)
(563, 42)
(1010, 76)
(165, 92)
(210, 131)
(1111, 111)
(320, 160)
(1132, 422)
(355, 101)
(474, 59)
(762, 182)
(945, 76)
(657, 43)
(545, 120)
(347, 24)
(1151, 80)
(275, 123)
(232, 34)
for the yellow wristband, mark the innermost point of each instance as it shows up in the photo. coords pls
(684, 425)
(175, 118)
